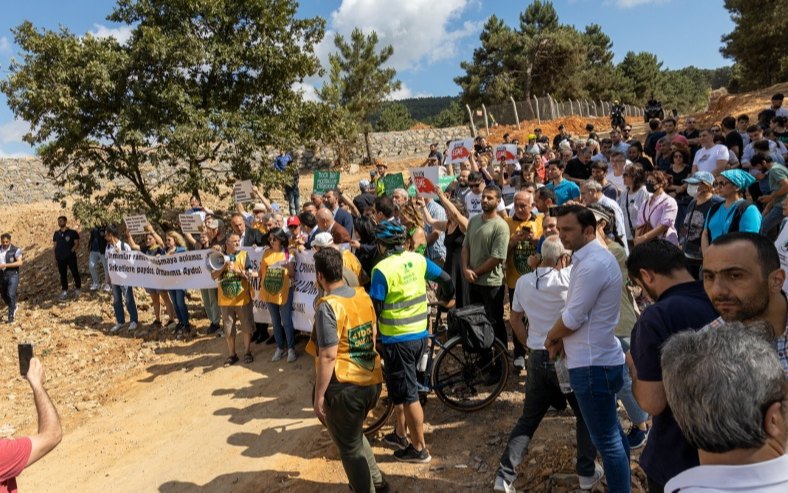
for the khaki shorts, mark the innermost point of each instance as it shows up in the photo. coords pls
(242, 313)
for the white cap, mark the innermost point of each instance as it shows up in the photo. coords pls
(322, 240)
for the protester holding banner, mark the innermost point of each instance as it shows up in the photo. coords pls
(196, 207)
(174, 243)
(276, 291)
(249, 236)
(119, 293)
(153, 247)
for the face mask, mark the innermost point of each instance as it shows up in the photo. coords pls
(650, 187)
(693, 191)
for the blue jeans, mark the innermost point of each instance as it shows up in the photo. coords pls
(118, 293)
(178, 297)
(772, 220)
(636, 414)
(293, 197)
(97, 258)
(595, 388)
(282, 318)
(8, 287)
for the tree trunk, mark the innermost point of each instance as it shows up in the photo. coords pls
(369, 149)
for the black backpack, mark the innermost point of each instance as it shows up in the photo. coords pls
(741, 206)
(473, 326)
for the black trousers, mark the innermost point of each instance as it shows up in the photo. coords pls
(519, 350)
(63, 266)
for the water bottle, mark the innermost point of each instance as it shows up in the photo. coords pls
(562, 371)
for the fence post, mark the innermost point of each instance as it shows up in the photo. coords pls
(571, 108)
(516, 117)
(538, 118)
(588, 109)
(473, 125)
(486, 125)
(596, 113)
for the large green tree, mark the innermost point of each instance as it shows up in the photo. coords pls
(358, 82)
(394, 117)
(199, 81)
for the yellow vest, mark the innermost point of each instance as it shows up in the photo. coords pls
(275, 283)
(234, 289)
(405, 308)
(357, 361)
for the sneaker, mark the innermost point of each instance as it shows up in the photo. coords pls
(107, 288)
(519, 362)
(213, 328)
(587, 482)
(291, 355)
(63, 295)
(94, 287)
(278, 354)
(77, 292)
(503, 485)
(13, 314)
(637, 437)
(156, 324)
(132, 326)
(116, 328)
(178, 328)
(396, 441)
(171, 324)
(411, 455)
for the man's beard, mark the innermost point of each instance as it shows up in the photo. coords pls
(489, 207)
(748, 309)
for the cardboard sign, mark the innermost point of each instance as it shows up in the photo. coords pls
(506, 151)
(426, 180)
(243, 191)
(136, 224)
(392, 181)
(191, 223)
(460, 150)
(325, 181)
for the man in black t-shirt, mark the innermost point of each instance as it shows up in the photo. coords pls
(66, 245)
(654, 134)
(635, 155)
(733, 140)
(693, 136)
(366, 199)
(578, 169)
(562, 135)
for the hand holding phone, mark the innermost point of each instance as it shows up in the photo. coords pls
(25, 355)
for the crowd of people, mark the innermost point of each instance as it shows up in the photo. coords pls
(648, 273)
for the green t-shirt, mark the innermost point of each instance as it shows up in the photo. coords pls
(777, 174)
(484, 240)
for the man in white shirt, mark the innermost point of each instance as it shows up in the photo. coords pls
(727, 391)
(710, 157)
(585, 332)
(10, 262)
(777, 105)
(473, 200)
(755, 132)
(541, 296)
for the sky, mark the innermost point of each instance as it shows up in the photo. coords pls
(430, 37)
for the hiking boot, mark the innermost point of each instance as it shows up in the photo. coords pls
(156, 324)
(411, 455)
(587, 482)
(396, 441)
(503, 485)
(63, 295)
(637, 437)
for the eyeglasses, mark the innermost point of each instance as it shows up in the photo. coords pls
(678, 155)
(720, 184)
(474, 185)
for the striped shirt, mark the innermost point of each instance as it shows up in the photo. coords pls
(781, 344)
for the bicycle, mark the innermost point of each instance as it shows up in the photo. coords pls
(459, 378)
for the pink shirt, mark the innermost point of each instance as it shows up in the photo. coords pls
(662, 211)
(14, 455)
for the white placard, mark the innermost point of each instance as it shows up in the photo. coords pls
(191, 223)
(459, 151)
(506, 151)
(136, 224)
(426, 180)
(243, 191)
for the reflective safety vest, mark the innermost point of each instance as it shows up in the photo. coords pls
(357, 361)
(405, 310)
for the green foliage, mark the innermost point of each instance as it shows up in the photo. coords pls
(453, 116)
(393, 117)
(423, 108)
(198, 82)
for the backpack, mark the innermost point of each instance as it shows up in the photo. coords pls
(741, 206)
(473, 326)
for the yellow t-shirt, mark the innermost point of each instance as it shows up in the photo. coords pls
(517, 260)
(351, 262)
(234, 289)
(275, 283)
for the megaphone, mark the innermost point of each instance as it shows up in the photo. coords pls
(216, 260)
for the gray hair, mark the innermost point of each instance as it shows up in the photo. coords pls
(401, 191)
(553, 249)
(592, 185)
(663, 140)
(719, 383)
(592, 143)
(267, 217)
(585, 150)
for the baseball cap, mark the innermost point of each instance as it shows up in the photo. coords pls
(216, 223)
(259, 207)
(275, 207)
(680, 138)
(322, 240)
(700, 176)
(293, 221)
(363, 184)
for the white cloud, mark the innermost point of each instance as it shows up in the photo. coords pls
(626, 4)
(14, 155)
(5, 45)
(307, 91)
(405, 92)
(121, 33)
(13, 131)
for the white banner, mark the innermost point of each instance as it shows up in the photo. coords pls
(426, 180)
(459, 151)
(243, 191)
(506, 151)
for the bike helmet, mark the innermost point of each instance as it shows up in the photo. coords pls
(390, 234)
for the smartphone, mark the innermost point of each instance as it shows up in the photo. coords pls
(25, 355)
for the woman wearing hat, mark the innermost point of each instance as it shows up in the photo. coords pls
(735, 214)
(700, 187)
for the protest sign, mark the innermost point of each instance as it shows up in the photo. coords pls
(325, 181)
(191, 223)
(426, 180)
(393, 181)
(304, 290)
(136, 224)
(506, 151)
(444, 182)
(459, 151)
(179, 271)
(243, 191)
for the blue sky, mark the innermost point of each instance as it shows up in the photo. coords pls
(430, 37)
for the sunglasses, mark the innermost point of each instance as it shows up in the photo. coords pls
(678, 155)
(474, 185)
(720, 184)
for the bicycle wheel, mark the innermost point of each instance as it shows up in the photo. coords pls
(462, 379)
(380, 414)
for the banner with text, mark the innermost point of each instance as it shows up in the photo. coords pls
(191, 223)
(459, 151)
(243, 191)
(136, 224)
(392, 181)
(426, 180)
(325, 181)
(507, 152)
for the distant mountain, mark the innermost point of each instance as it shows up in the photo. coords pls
(422, 109)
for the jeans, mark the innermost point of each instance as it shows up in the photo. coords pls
(541, 385)
(63, 266)
(95, 259)
(8, 286)
(282, 318)
(118, 293)
(771, 221)
(345, 411)
(635, 412)
(210, 301)
(178, 297)
(595, 388)
(293, 197)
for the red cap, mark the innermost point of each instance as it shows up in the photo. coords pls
(293, 221)
(681, 139)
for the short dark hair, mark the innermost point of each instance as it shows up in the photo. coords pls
(5, 236)
(307, 219)
(761, 145)
(761, 159)
(658, 256)
(728, 122)
(475, 176)
(385, 205)
(584, 215)
(365, 229)
(653, 124)
(62, 217)
(778, 97)
(670, 119)
(754, 128)
(557, 163)
(599, 164)
(328, 262)
(111, 230)
(308, 204)
(743, 118)
(768, 257)
(494, 189)
(545, 193)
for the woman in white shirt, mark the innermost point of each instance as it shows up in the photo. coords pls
(632, 198)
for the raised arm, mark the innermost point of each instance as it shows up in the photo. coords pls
(49, 430)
